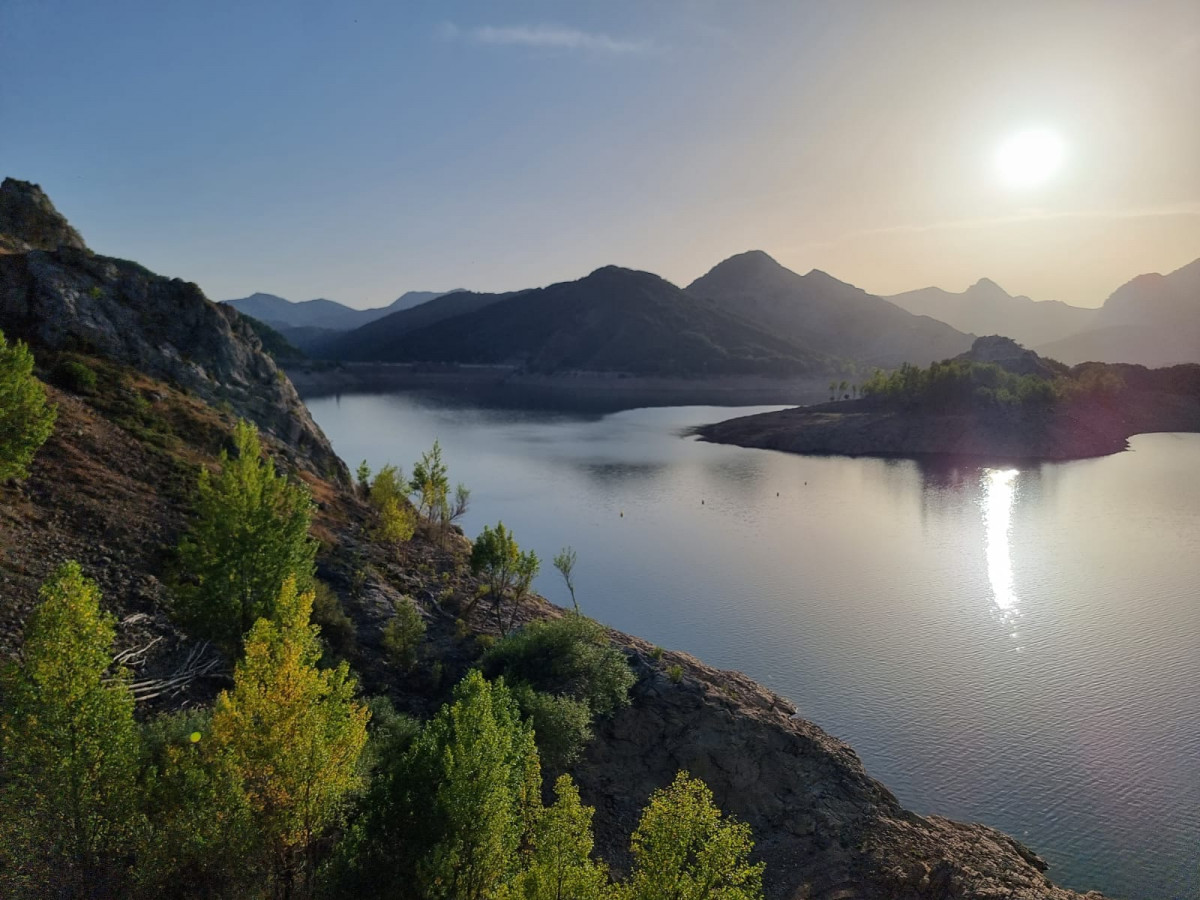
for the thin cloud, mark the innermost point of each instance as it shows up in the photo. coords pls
(546, 37)
(1187, 210)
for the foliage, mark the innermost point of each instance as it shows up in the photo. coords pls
(26, 419)
(675, 673)
(363, 474)
(402, 636)
(958, 383)
(560, 864)
(70, 750)
(397, 519)
(74, 376)
(291, 735)
(682, 849)
(200, 841)
(506, 570)
(249, 534)
(446, 819)
(430, 483)
(571, 655)
(564, 562)
(562, 725)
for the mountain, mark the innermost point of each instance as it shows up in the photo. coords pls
(816, 310)
(282, 314)
(1152, 320)
(986, 308)
(614, 320)
(59, 297)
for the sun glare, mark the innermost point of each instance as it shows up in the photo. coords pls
(1030, 158)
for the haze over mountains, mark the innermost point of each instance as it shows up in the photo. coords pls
(986, 308)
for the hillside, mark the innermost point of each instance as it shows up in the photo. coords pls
(986, 308)
(1151, 320)
(818, 311)
(114, 488)
(614, 320)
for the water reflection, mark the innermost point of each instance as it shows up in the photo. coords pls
(999, 491)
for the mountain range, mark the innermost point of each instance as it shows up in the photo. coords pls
(748, 314)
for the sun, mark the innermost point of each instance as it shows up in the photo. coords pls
(1030, 158)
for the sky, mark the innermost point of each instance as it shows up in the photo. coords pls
(357, 150)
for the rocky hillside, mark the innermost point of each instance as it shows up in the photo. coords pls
(57, 295)
(111, 489)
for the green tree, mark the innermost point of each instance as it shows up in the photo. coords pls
(445, 820)
(397, 520)
(683, 850)
(363, 474)
(565, 561)
(430, 482)
(249, 534)
(403, 634)
(69, 750)
(506, 570)
(26, 419)
(560, 865)
(291, 735)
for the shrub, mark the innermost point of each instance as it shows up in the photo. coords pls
(506, 569)
(675, 673)
(402, 636)
(397, 519)
(571, 655)
(72, 375)
(26, 419)
(337, 629)
(562, 725)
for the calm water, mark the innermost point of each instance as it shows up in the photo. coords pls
(1017, 646)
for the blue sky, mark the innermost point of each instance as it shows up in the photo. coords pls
(358, 150)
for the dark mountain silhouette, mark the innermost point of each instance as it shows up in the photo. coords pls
(614, 320)
(816, 310)
(986, 308)
(1152, 320)
(374, 341)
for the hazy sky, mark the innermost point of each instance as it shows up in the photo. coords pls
(358, 150)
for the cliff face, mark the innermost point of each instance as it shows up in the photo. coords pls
(56, 295)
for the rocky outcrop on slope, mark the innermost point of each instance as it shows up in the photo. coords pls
(69, 299)
(1008, 355)
(825, 828)
(29, 221)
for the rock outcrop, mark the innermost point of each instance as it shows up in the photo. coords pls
(1008, 355)
(57, 295)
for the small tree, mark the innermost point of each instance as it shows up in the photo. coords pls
(26, 419)
(430, 482)
(682, 849)
(69, 749)
(402, 636)
(560, 866)
(363, 474)
(291, 734)
(564, 561)
(506, 570)
(397, 520)
(445, 820)
(249, 534)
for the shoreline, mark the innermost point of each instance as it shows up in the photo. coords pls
(858, 428)
(506, 383)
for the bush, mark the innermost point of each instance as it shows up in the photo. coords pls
(26, 419)
(72, 375)
(397, 519)
(572, 656)
(562, 725)
(402, 636)
(675, 673)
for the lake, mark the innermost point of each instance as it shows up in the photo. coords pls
(1016, 645)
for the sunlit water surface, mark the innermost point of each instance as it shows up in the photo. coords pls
(1015, 645)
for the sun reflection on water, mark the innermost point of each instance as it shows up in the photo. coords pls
(999, 492)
